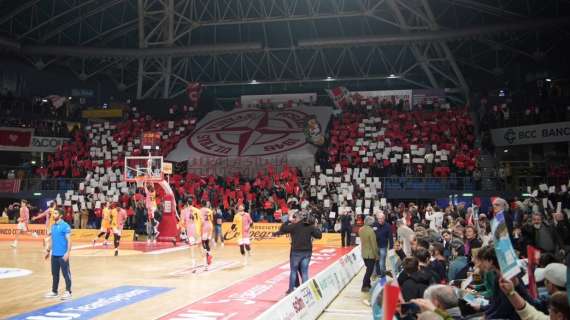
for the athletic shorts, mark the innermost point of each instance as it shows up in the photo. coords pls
(117, 231)
(244, 241)
(22, 226)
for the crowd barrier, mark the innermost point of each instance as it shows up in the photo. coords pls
(310, 299)
(8, 232)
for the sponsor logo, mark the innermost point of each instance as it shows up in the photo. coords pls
(94, 305)
(50, 143)
(510, 136)
(251, 133)
(6, 273)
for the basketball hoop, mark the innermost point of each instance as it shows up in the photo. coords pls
(143, 169)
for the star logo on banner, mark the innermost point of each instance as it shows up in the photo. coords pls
(251, 133)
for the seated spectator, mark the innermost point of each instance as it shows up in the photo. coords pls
(459, 264)
(558, 308)
(414, 281)
(499, 306)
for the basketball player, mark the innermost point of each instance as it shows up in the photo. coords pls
(50, 220)
(105, 224)
(192, 231)
(23, 222)
(117, 223)
(206, 233)
(205, 211)
(243, 222)
(152, 223)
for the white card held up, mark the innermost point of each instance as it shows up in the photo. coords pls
(313, 181)
(327, 203)
(332, 215)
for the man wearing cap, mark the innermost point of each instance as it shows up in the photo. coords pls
(554, 277)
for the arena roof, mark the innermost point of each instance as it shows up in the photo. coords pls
(155, 47)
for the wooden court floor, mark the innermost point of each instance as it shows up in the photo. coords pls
(96, 269)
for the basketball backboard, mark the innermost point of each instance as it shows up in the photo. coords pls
(139, 169)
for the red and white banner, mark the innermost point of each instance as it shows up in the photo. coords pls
(245, 140)
(10, 185)
(194, 90)
(15, 137)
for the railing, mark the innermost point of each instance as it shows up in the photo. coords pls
(50, 184)
(460, 184)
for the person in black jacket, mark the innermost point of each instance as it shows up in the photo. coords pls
(415, 281)
(302, 230)
(345, 228)
(385, 241)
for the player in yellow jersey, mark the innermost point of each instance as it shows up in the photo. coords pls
(118, 218)
(105, 224)
(50, 220)
(243, 223)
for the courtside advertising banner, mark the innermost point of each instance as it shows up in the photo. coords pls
(248, 140)
(310, 299)
(262, 233)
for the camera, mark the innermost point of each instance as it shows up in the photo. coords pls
(306, 217)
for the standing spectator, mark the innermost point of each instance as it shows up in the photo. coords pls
(539, 234)
(84, 216)
(345, 228)
(302, 231)
(384, 240)
(406, 236)
(472, 242)
(369, 249)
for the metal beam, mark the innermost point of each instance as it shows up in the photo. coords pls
(415, 51)
(431, 36)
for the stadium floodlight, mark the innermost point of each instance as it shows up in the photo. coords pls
(548, 79)
(392, 76)
(253, 82)
(329, 78)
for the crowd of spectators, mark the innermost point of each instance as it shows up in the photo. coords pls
(445, 262)
(398, 143)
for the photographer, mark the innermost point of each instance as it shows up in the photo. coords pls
(302, 229)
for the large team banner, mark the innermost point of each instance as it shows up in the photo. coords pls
(248, 140)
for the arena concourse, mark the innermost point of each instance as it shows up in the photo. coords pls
(275, 159)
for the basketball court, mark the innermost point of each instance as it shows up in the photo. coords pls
(150, 282)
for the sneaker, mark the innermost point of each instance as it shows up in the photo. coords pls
(93, 243)
(116, 253)
(34, 234)
(51, 294)
(14, 245)
(66, 295)
(222, 244)
(209, 259)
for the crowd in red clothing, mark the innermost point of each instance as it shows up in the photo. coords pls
(404, 143)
